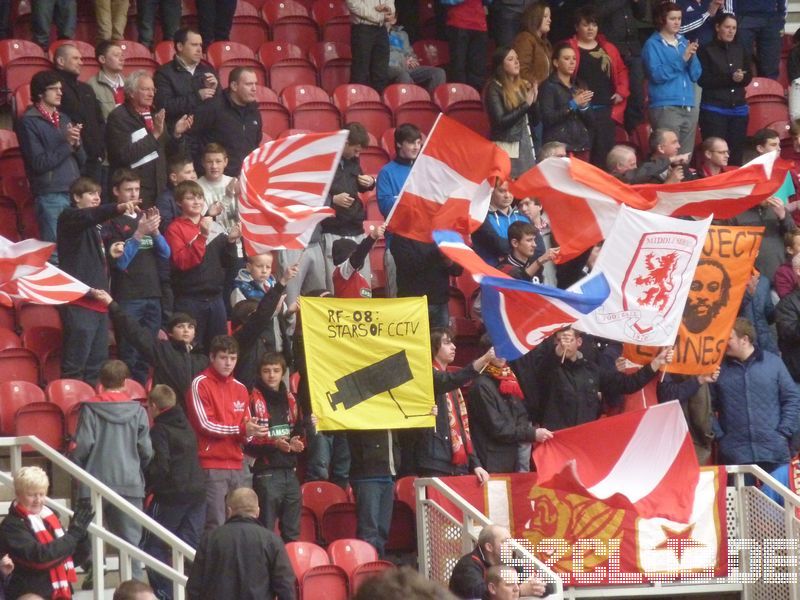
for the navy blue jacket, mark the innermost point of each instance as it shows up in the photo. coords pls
(51, 163)
(759, 407)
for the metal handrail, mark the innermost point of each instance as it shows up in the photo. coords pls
(100, 493)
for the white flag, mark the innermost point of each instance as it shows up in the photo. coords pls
(649, 262)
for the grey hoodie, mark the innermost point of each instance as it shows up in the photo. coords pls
(113, 444)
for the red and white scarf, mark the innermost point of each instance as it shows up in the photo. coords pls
(46, 527)
(457, 421)
(53, 117)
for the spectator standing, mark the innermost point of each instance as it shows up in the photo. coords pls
(758, 308)
(506, 18)
(468, 41)
(565, 106)
(82, 255)
(108, 84)
(241, 559)
(509, 100)
(490, 240)
(601, 68)
(218, 408)
(231, 119)
(180, 168)
(175, 479)
(349, 278)
(169, 17)
(697, 22)
(369, 41)
(784, 282)
(404, 65)
(135, 281)
(532, 46)
(52, 151)
(5, 19)
(215, 19)
(408, 144)
(184, 83)
(136, 138)
(757, 401)
(787, 322)
(61, 13)
(761, 23)
(672, 67)
(80, 104)
(112, 443)
(111, 17)
(727, 71)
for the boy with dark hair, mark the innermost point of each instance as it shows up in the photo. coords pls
(522, 262)
(81, 250)
(200, 253)
(179, 169)
(175, 479)
(218, 409)
(274, 471)
(135, 280)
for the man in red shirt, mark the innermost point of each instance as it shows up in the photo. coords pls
(218, 408)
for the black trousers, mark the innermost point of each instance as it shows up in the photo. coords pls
(467, 56)
(215, 18)
(370, 49)
(279, 497)
(731, 129)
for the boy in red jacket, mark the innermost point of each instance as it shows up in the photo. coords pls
(218, 408)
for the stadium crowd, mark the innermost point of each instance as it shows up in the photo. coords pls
(135, 178)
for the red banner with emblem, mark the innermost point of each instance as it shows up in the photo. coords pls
(590, 543)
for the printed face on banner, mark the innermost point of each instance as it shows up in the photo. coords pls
(368, 362)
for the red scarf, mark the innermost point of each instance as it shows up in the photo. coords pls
(54, 117)
(46, 528)
(457, 421)
(507, 381)
(148, 119)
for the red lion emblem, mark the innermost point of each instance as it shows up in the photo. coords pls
(659, 279)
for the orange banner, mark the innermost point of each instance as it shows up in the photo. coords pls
(718, 286)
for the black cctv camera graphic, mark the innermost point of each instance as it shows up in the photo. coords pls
(368, 382)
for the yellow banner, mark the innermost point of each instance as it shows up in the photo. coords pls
(368, 362)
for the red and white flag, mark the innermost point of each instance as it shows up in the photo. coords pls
(642, 460)
(283, 188)
(25, 274)
(581, 200)
(450, 184)
(725, 195)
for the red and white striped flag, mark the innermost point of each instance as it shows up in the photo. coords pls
(642, 460)
(26, 274)
(450, 184)
(283, 187)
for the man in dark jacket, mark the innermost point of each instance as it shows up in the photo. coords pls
(82, 256)
(52, 150)
(348, 181)
(175, 479)
(230, 119)
(80, 104)
(241, 559)
(136, 138)
(787, 321)
(185, 83)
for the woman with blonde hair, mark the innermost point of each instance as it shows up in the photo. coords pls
(531, 43)
(509, 99)
(34, 539)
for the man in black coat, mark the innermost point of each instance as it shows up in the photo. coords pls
(79, 102)
(241, 559)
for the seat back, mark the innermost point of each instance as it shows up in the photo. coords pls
(325, 11)
(219, 53)
(405, 492)
(348, 94)
(37, 315)
(398, 94)
(19, 364)
(66, 393)
(291, 71)
(367, 571)
(282, 9)
(164, 51)
(137, 57)
(271, 52)
(339, 522)
(326, 581)
(448, 94)
(760, 87)
(9, 339)
(42, 340)
(44, 420)
(304, 556)
(319, 495)
(22, 99)
(13, 396)
(9, 140)
(297, 95)
(11, 50)
(349, 553)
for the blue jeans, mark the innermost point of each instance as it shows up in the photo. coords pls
(147, 311)
(184, 520)
(64, 13)
(85, 345)
(328, 452)
(48, 208)
(374, 503)
(765, 32)
(211, 317)
(146, 14)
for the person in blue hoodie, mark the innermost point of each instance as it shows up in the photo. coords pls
(672, 68)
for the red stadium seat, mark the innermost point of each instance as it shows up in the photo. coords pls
(132, 387)
(762, 114)
(367, 571)
(271, 52)
(68, 392)
(304, 556)
(762, 87)
(402, 530)
(137, 57)
(319, 495)
(90, 65)
(9, 221)
(8, 142)
(289, 22)
(338, 522)
(287, 65)
(44, 420)
(7, 318)
(373, 159)
(326, 581)
(462, 103)
(309, 530)
(782, 127)
(16, 187)
(311, 108)
(9, 339)
(361, 104)
(45, 342)
(164, 51)
(226, 56)
(21, 100)
(275, 117)
(433, 53)
(257, 3)
(349, 553)
(37, 315)
(387, 143)
(13, 396)
(28, 225)
(411, 104)
(248, 28)
(19, 364)
(334, 20)
(332, 60)
(20, 60)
